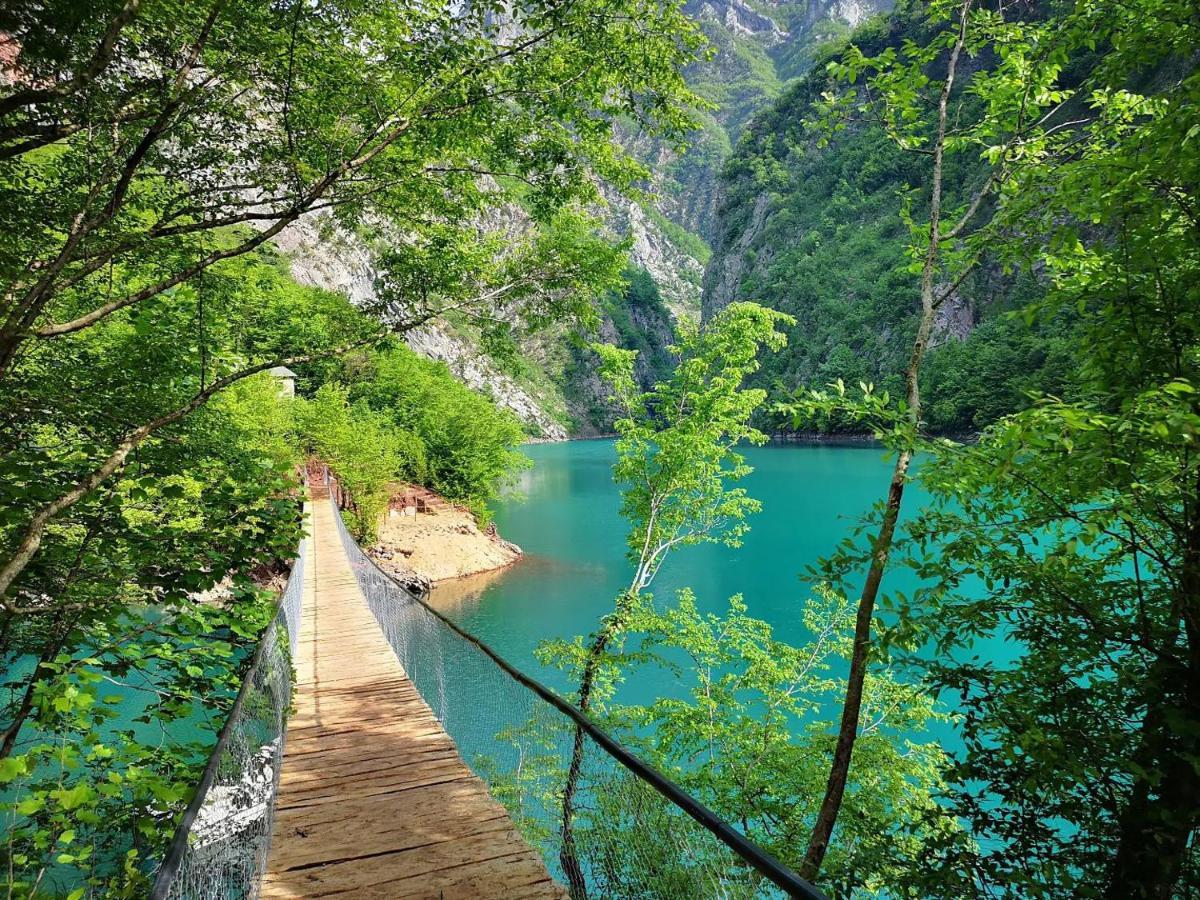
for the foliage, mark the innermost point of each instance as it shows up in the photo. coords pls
(747, 725)
(67, 404)
(496, 281)
(975, 382)
(114, 653)
(1057, 558)
(468, 444)
(638, 316)
(1044, 543)
(1069, 530)
(364, 448)
(676, 445)
(676, 456)
(827, 243)
(90, 792)
(914, 95)
(749, 733)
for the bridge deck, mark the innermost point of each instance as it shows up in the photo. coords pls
(374, 800)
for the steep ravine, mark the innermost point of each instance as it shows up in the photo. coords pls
(757, 49)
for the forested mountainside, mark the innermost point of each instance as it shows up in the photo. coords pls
(815, 231)
(755, 49)
(548, 379)
(810, 230)
(551, 384)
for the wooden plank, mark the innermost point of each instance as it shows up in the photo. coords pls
(374, 800)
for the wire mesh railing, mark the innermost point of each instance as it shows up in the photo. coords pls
(220, 847)
(629, 832)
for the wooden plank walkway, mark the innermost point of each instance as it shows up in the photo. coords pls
(374, 800)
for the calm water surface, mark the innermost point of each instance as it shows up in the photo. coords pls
(574, 542)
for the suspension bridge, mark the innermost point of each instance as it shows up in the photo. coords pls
(373, 797)
(377, 770)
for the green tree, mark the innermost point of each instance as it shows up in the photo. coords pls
(746, 739)
(1071, 529)
(676, 455)
(744, 734)
(105, 647)
(368, 452)
(1003, 114)
(469, 444)
(139, 141)
(165, 361)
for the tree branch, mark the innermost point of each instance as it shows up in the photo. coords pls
(99, 62)
(32, 538)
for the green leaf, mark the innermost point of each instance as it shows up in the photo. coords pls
(12, 767)
(73, 797)
(31, 805)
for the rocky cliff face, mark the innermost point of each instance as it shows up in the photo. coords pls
(739, 18)
(637, 320)
(324, 257)
(758, 47)
(677, 272)
(562, 396)
(723, 277)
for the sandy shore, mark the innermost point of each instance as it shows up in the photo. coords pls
(438, 544)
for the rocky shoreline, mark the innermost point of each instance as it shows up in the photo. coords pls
(851, 439)
(570, 439)
(424, 539)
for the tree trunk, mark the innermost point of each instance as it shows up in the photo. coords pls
(5, 629)
(568, 855)
(839, 769)
(8, 737)
(1164, 809)
(8, 350)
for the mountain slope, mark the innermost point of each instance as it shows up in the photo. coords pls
(550, 384)
(817, 232)
(757, 50)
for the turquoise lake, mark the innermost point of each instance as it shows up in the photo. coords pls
(568, 524)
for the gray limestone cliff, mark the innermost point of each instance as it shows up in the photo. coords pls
(324, 257)
(555, 392)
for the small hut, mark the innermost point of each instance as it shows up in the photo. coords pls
(287, 380)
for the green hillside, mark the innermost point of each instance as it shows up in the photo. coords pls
(816, 231)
